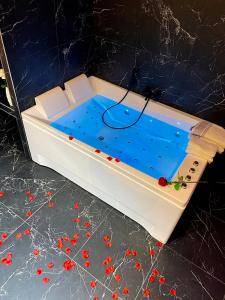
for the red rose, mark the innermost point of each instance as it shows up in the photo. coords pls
(117, 277)
(39, 271)
(50, 265)
(162, 181)
(173, 292)
(146, 292)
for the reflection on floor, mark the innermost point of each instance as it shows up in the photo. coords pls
(57, 241)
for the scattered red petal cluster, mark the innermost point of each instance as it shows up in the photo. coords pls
(7, 260)
(129, 252)
(106, 239)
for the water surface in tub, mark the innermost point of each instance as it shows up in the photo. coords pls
(151, 146)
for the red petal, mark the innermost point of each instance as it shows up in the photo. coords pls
(109, 258)
(128, 252)
(50, 265)
(115, 296)
(106, 238)
(31, 198)
(2, 194)
(151, 279)
(29, 213)
(85, 254)
(50, 204)
(76, 236)
(109, 244)
(27, 231)
(68, 265)
(125, 290)
(66, 238)
(4, 235)
(45, 280)
(88, 234)
(68, 250)
(134, 252)
(138, 265)
(87, 224)
(96, 298)
(173, 292)
(49, 194)
(76, 205)
(73, 242)
(162, 280)
(9, 255)
(36, 252)
(93, 284)
(18, 235)
(71, 138)
(117, 160)
(159, 244)
(97, 151)
(77, 220)
(28, 193)
(39, 271)
(105, 262)
(117, 277)
(155, 272)
(87, 263)
(60, 243)
(109, 158)
(1, 243)
(146, 292)
(152, 252)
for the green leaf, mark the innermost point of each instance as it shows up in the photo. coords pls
(177, 186)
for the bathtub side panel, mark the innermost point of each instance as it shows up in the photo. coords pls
(150, 209)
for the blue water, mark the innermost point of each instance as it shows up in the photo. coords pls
(151, 146)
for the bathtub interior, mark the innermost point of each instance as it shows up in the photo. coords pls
(151, 146)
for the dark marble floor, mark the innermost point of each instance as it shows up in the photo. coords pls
(58, 241)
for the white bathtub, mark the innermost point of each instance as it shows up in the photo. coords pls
(132, 192)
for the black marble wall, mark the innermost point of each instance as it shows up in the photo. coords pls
(47, 43)
(178, 46)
